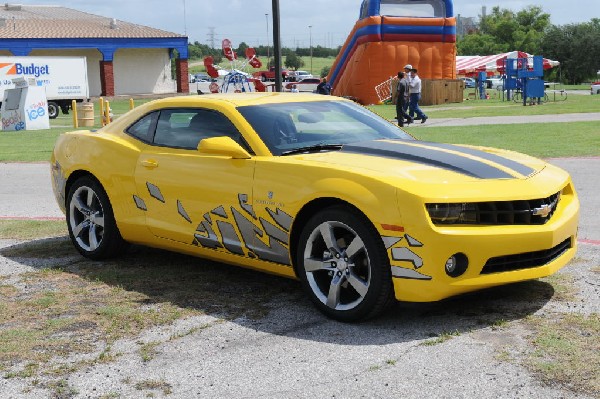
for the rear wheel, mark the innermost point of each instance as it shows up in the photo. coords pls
(52, 110)
(344, 266)
(91, 222)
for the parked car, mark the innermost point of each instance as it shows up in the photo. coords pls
(203, 77)
(316, 188)
(496, 83)
(269, 75)
(469, 82)
(305, 85)
(595, 88)
(298, 76)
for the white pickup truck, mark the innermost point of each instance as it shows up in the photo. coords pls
(297, 76)
(595, 88)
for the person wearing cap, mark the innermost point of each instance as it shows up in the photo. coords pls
(415, 96)
(407, 69)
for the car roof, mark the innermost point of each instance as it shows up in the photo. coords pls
(239, 99)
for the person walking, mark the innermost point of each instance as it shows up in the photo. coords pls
(415, 96)
(407, 69)
(401, 98)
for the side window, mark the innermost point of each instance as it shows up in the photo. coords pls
(185, 127)
(143, 128)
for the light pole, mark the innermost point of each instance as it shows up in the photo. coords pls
(184, 20)
(310, 41)
(267, 19)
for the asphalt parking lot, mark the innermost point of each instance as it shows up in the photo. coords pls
(293, 351)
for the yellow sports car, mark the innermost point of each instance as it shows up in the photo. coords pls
(316, 188)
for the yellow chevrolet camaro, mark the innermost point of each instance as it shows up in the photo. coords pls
(316, 188)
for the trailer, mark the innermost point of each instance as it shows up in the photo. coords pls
(64, 78)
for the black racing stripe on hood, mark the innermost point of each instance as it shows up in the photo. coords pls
(509, 163)
(427, 156)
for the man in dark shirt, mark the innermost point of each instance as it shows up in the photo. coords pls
(402, 100)
(324, 87)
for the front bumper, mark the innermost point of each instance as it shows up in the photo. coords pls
(513, 253)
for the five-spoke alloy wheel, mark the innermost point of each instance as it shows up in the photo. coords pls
(344, 266)
(90, 220)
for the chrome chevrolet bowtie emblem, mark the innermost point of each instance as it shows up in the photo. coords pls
(546, 209)
(542, 211)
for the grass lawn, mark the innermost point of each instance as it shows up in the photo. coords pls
(543, 139)
(575, 103)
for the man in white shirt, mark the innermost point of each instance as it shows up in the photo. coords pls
(414, 85)
(407, 69)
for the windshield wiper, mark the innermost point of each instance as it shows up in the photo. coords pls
(313, 148)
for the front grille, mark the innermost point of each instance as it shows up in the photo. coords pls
(536, 211)
(518, 212)
(526, 260)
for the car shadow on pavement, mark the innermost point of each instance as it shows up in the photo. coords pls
(277, 305)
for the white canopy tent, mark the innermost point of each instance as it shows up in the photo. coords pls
(493, 64)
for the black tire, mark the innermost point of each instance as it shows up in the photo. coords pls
(91, 221)
(52, 110)
(346, 275)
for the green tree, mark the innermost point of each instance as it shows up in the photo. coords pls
(505, 30)
(576, 47)
(241, 50)
(478, 44)
(292, 61)
(194, 52)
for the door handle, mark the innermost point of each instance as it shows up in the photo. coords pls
(150, 163)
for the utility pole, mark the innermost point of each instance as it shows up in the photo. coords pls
(310, 40)
(184, 20)
(277, 45)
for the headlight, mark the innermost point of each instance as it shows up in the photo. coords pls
(452, 213)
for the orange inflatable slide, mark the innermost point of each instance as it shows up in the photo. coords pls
(390, 34)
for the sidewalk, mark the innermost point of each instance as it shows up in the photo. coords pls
(506, 120)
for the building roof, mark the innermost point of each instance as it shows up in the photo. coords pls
(49, 22)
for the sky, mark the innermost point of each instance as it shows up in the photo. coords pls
(303, 22)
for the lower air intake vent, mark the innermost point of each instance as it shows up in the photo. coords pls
(526, 260)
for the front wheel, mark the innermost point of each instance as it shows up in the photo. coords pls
(343, 265)
(90, 220)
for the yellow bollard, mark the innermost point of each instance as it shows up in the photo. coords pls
(107, 118)
(101, 99)
(74, 109)
(131, 105)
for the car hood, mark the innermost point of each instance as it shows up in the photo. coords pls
(417, 160)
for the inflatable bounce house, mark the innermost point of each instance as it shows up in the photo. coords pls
(388, 35)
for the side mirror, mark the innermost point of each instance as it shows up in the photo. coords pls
(222, 146)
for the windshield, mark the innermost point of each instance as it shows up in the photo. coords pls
(286, 127)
